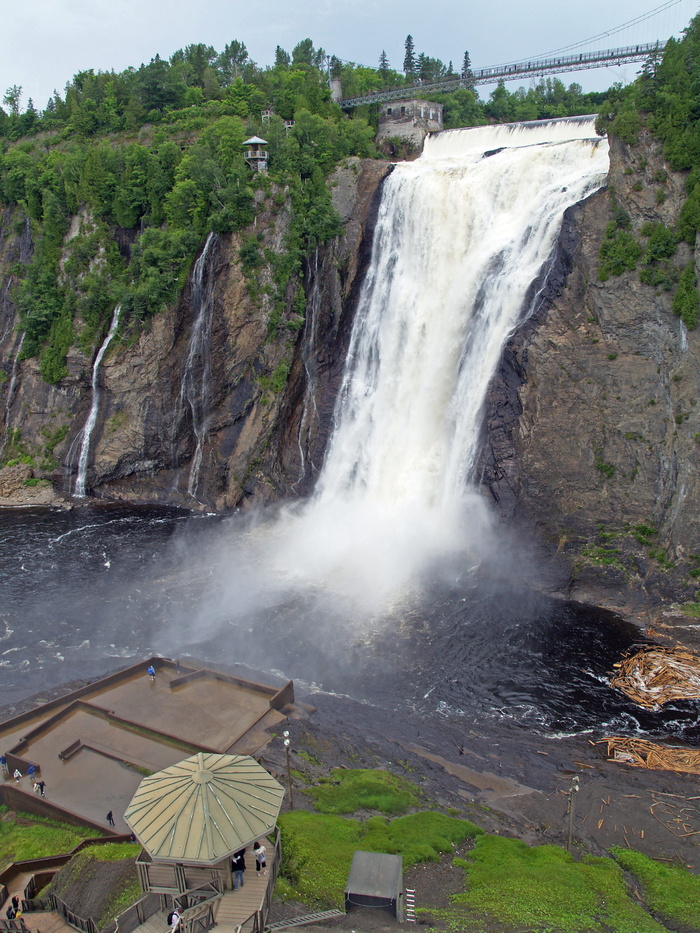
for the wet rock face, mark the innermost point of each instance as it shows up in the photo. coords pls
(593, 423)
(267, 389)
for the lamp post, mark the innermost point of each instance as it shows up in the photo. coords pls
(289, 770)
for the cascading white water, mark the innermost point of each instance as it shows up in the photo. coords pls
(309, 346)
(10, 397)
(196, 379)
(89, 426)
(462, 235)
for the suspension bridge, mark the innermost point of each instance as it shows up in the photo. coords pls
(568, 59)
(534, 69)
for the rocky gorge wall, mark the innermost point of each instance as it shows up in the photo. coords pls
(254, 436)
(591, 429)
(593, 422)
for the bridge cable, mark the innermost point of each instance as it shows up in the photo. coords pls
(601, 35)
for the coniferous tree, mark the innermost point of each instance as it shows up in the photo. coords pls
(467, 72)
(409, 59)
(383, 65)
(282, 58)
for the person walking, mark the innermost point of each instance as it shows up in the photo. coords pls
(110, 818)
(42, 786)
(174, 920)
(238, 866)
(260, 861)
(3, 763)
(17, 775)
(151, 671)
(15, 902)
(31, 771)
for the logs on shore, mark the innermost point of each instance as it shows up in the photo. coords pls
(655, 675)
(644, 754)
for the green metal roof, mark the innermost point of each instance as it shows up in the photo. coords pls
(204, 808)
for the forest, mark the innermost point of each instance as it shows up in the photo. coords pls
(151, 159)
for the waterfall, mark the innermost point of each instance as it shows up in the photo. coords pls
(309, 350)
(196, 380)
(86, 434)
(463, 235)
(10, 397)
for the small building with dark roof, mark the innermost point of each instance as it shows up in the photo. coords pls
(376, 880)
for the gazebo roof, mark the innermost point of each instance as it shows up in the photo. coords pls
(255, 141)
(204, 808)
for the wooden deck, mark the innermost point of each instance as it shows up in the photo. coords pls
(237, 906)
(46, 922)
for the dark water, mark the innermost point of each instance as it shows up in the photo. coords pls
(85, 590)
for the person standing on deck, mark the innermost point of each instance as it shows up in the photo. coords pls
(238, 866)
(110, 818)
(151, 671)
(260, 862)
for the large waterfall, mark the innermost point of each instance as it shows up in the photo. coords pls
(463, 235)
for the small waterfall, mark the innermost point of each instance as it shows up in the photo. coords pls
(9, 398)
(86, 434)
(308, 356)
(197, 376)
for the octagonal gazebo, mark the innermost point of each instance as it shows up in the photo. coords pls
(191, 817)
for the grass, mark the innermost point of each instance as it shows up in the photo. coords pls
(318, 848)
(544, 889)
(363, 789)
(27, 836)
(114, 851)
(122, 897)
(669, 890)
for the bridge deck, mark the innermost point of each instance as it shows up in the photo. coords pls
(582, 61)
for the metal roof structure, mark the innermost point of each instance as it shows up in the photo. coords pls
(205, 808)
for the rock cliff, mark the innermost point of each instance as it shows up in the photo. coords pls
(593, 423)
(218, 403)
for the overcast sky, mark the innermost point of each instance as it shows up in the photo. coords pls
(43, 43)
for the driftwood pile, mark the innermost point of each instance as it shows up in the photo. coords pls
(644, 754)
(655, 675)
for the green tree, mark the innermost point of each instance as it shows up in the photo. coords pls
(383, 66)
(231, 61)
(409, 58)
(12, 98)
(282, 58)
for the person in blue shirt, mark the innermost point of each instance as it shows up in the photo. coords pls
(151, 671)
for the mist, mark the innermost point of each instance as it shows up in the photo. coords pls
(397, 515)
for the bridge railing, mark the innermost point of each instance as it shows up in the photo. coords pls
(537, 67)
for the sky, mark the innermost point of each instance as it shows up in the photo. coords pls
(43, 43)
